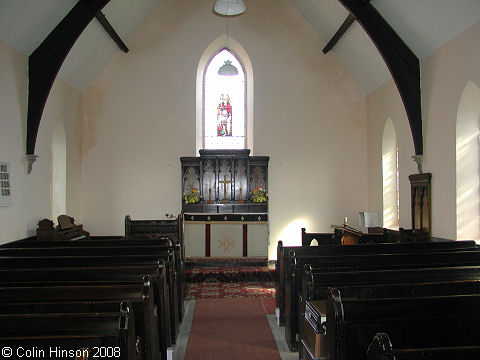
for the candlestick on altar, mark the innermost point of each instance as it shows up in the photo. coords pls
(240, 200)
(210, 196)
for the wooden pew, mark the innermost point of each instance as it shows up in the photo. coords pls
(156, 229)
(114, 260)
(61, 335)
(89, 307)
(381, 348)
(152, 229)
(155, 303)
(399, 282)
(94, 241)
(360, 262)
(380, 289)
(79, 248)
(352, 323)
(322, 238)
(283, 254)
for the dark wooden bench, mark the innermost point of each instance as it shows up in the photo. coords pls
(383, 289)
(94, 241)
(384, 283)
(79, 248)
(381, 348)
(283, 254)
(120, 275)
(91, 307)
(139, 295)
(410, 322)
(321, 238)
(114, 260)
(152, 229)
(62, 335)
(354, 263)
(8, 262)
(157, 229)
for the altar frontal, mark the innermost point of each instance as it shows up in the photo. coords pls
(226, 235)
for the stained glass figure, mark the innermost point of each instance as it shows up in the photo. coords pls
(224, 116)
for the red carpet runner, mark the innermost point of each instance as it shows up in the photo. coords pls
(230, 329)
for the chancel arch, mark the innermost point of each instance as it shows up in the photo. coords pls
(467, 164)
(210, 105)
(390, 176)
(59, 171)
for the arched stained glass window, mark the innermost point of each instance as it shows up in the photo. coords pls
(224, 125)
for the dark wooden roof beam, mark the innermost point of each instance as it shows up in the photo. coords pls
(340, 32)
(45, 62)
(111, 31)
(400, 60)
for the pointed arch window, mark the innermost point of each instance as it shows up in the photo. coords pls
(59, 171)
(467, 164)
(390, 175)
(224, 105)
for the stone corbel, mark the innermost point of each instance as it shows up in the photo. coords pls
(29, 160)
(419, 160)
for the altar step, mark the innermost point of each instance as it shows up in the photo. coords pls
(229, 270)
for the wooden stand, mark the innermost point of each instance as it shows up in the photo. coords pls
(421, 190)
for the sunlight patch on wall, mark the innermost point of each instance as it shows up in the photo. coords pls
(467, 164)
(291, 234)
(390, 176)
(59, 171)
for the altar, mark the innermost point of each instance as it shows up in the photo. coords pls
(225, 235)
(225, 204)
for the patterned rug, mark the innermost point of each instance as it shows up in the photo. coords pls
(219, 290)
(230, 274)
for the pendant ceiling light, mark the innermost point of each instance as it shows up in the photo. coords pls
(229, 7)
(227, 69)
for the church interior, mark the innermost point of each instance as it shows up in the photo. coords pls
(152, 148)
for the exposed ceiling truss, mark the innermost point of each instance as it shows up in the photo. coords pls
(111, 31)
(340, 32)
(46, 60)
(401, 61)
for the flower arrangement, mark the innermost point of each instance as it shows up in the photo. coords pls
(259, 195)
(192, 197)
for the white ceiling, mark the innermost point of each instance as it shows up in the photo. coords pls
(425, 25)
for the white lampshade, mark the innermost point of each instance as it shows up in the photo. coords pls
(229, 7)
(227, 69)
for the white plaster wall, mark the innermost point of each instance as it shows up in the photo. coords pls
(309, 117)
(445, 74)
(31, 193)
(382, 104)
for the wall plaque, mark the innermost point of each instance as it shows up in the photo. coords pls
(5, 184)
